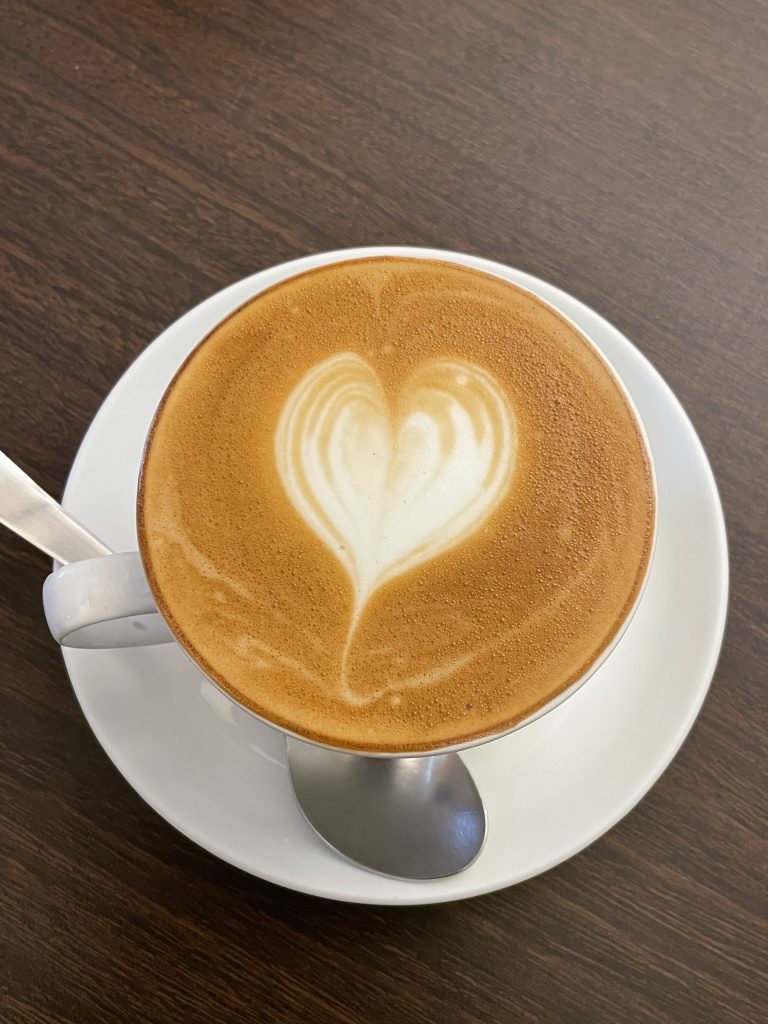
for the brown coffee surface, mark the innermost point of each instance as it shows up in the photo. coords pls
(395, 504)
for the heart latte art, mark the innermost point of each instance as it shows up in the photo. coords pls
(395, 504)
(387, 488)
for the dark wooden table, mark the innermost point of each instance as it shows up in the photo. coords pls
(154, 152)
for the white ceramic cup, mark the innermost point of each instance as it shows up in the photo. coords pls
(106, 602)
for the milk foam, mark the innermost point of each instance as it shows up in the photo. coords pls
(417, 506)
(388, 487)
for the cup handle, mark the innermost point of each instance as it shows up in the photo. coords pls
(103, 602)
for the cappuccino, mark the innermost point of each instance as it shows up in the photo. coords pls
(395, 504)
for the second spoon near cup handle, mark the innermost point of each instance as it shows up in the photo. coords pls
(33, 514)
(95, 599)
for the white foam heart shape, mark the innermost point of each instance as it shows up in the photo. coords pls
(387, 488)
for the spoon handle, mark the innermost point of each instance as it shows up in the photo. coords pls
(26, 509)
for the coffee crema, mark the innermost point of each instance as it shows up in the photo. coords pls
(395, 504)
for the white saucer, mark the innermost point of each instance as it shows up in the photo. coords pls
(219, 776)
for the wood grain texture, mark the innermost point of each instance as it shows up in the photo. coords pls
(151, 153)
